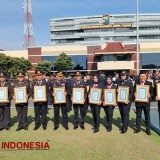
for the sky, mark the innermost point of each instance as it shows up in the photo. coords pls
(12, 16)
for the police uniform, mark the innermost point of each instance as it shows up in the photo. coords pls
(143, 106)
(5, 107)
(40, 108)
(57, 107)
(81, 107)
(109, 109)
(22, 108)
(125, 108)
(96, 108)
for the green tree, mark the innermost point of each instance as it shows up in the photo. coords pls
(63, 63)
(5, 63)
(44, 66)
(20, 65)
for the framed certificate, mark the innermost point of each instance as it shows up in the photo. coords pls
(158, 90)
(110, 97)
(123, 94)
(3, 94)
(40, 94)
(142, 92)
(151, 80)
(95, 95)
(78, 96)
(59, 95)
(20, 95)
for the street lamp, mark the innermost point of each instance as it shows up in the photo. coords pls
(137, 51)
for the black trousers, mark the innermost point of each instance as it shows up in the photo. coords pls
(5, 117)
(68, 103)
(22, 110)
(64, 114)
(40, 109)
(109, 115)
(96, 114)
(146, 110)
(124, 112)
(76, 108)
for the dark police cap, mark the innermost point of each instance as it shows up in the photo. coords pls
(20, 74)
(38, 73)
(123, 73)
(3, 75)
(78, 73)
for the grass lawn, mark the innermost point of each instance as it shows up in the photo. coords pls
(82, 144)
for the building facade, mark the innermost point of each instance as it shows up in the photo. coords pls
(97, 30)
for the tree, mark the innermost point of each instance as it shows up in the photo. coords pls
(44, 66)
(63, 62)
(20, 65)
(5, 63)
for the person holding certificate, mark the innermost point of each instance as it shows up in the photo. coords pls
(5, 102)
(145, 106)
(79, 83)
(20, 96)
(124, 107)
(59, 83)
(40, 92)
(95, 108)
(109, 108)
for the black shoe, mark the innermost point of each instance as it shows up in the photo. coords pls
(19, 128)
(96, 130)
(75, 127)
(44, 127)
(148, 132)
(7, 128)
(137, 130)
(82, 127)
(55, 128)
(109, 130)
(1, 129)
(25, 128)
(124, 131)
(35, 128)
(66, 128)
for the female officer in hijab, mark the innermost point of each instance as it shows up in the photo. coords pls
(95, 108)
(109, 109)
(124, 108)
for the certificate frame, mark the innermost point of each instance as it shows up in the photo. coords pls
(20, 95)
(95, 95)
(3, 94)
(110, 93)
(158, 90)
(59, 97)
(80, 98)
(125, 97)
(41, 96)
(139, 89)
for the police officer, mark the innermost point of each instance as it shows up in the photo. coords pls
(124, 108)
(22, 108)
(95, 108)
(57, 84)
(143, 106)
(40, 108)
(109, 109)
(79, 83)
(5, 106)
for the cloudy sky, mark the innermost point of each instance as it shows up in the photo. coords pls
(12, 17)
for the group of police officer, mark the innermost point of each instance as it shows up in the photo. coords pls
(80, 110)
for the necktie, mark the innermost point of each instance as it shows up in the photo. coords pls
(142, 83)
(95, 85)
(109, 86)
